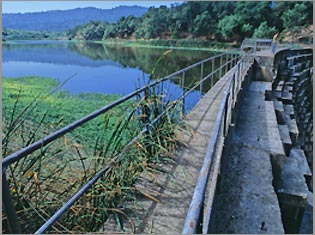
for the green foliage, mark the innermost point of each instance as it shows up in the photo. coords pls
(295, 19)
(230, 24)
(11, 34)
(61, 108)
(264, 31)
(201, 25)
(214, 20)
(94, 30)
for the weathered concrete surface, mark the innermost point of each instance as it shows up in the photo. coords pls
(265, 61)
(307, 219)
(246, 201)
(292, 182)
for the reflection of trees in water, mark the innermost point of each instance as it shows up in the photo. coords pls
(146, 58)
(31, 46)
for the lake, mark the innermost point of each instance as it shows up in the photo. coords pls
(97, 68)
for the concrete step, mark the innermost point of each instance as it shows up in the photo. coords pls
(279, 88)
(279, 110)
(287, 88)
(292, 186)
(293, 79)
(292, 194)
(306, 226)
(278, 106)
(285, 138)
(289, 83)
(293, 131)
(286, 97)
(289, 110)
(300, 157)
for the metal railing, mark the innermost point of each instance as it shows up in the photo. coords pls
(227, 61)
(257, 44)
(198, 215)
(299, 58)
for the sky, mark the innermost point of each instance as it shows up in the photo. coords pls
(37, 6)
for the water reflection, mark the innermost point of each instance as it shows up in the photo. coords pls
(101, 68)
(146, 59)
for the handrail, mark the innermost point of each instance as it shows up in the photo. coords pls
(194, 211)
(7, 201)
(80, 192)
(59, 133)
(299, 56)
(256, 43)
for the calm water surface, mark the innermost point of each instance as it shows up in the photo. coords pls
(97, 68)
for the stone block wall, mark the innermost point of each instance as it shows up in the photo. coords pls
(292, 92)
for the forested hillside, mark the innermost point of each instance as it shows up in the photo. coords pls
(61, 20)
(216, 21)
(220, 20)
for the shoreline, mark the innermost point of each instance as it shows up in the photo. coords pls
(131, 43)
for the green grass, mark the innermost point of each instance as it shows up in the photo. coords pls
(184, 44)
(60, 107)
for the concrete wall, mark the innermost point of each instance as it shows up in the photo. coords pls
(293, 100)
(298, 80)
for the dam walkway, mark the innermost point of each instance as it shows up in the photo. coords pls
(243, 165)
(236, 172)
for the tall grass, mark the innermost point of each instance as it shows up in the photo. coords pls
(44, 180)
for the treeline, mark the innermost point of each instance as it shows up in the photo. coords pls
(219, 21)
(13, 34)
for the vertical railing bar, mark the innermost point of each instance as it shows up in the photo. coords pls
(9, 206)
(213, 74)
(239, 79)
(184, 97)
(201, 77)
(227, 62)
(220, 72)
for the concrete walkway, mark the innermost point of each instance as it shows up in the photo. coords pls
(246, 201)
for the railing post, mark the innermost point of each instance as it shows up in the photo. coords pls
(220, 73)
(233, 60)
(9, 206)
(227, 62)
(201, 77)
(212, 76)
(183, 87)
(239, 79)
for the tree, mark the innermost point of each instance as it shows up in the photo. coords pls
(110, 32)
(264, 31)
(232, 20)
(230, 25)
(202, 24)
(295, 19)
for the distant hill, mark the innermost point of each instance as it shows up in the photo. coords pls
(61, 20)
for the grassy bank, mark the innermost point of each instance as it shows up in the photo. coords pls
(44, 180)
(184, 44)
(43, 97)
